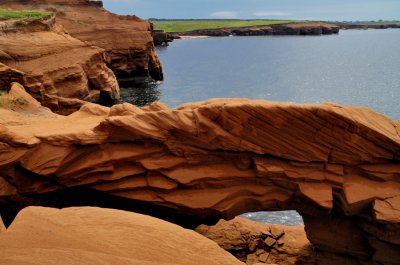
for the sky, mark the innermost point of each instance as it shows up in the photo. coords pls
(333, 10)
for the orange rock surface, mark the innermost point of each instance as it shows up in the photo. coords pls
(127, 40)
(57, 69)
(103, 236)
(74, 56)
(338, 166)
(247, 240)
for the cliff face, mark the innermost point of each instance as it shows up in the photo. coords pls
(74, 57)
(338, 166)
(127, 40)
(58, 70)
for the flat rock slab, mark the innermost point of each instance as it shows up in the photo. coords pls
(89, 235)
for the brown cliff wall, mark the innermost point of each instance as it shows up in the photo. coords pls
(338, 166)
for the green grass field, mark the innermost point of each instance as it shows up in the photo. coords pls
(190, 25)
(6, 14)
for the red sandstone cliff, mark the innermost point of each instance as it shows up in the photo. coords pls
(338, 166)
(58, 70)
(75, 55)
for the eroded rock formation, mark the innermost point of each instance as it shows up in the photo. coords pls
(258, 243)
(338, 166)
(103, 236)
(57, 69)
(75, 55)
(127, 40)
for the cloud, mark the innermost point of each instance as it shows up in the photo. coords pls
(224, 14)
(271, 14)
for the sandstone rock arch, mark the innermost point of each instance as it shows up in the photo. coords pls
(338, 166)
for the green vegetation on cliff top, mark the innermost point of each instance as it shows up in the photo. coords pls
(6, 14)
(190, 25)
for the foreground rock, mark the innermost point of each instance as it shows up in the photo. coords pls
(257, 243)
(314, 28)
(338, 166)
(103, 236)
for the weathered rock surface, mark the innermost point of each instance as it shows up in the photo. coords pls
(254, 242)
(58, 70)
(103, 236)
(162, 38)
(338, 166)
(74, 57)
(127, 40)
(8, 76)
(314, 28)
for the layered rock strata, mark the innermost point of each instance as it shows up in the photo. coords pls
(127, 40)
(258, 243)
(283, 29)
(103, 236)
(76, 55)
(338, 166)
(58, 70)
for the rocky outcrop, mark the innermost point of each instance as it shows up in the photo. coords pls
(9, 75)
(58, 70)
(76, 55)
(257, 243)
(314, 28)
(338, 166)
(162, 38)
(127, 40)
(103, 236)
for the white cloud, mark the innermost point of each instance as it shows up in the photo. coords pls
(224, 14)
(271, 14)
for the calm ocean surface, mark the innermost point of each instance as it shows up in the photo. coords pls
(356, 67)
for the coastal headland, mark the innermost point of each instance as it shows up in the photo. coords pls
(167, 31)
(77, 54)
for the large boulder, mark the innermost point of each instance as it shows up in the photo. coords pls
(338, 166)
(103, 236)
(255, 243)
